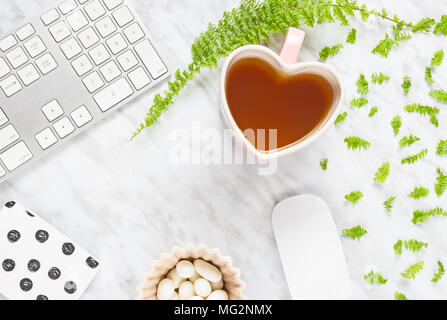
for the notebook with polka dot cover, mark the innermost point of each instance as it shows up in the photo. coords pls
(37, 261)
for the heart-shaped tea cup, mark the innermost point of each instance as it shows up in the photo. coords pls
(287, 64)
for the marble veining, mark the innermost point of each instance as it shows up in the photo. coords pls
(127, 203)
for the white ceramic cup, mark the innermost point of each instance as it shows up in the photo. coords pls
(285, 62)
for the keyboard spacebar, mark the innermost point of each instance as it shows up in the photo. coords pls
(113, 94)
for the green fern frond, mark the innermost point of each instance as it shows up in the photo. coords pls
(439, 95)
(396, 124)
(373, 112)
(441, 26)
(400, 296)
(438, 275)
(352, 36)
(419, 193)
(327, 52)
(340, 118)
(354, 197)
(356, 143)
(422, 216)
(441, 184)
(355, 233)
(359, 102)
(429, 76)
(323, 164)
(441, 149)
(415, 245)
(398, 247)
(384, 46)
(422, 110)
(424, 24)
(415, 158)
(408, 141)
(406, 85)
(413, 270)
(388, 204)
(379, 78)
(362, 85)
(375, 278)
(382, 173)
(438, 57)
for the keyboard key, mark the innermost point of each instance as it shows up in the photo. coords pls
(81, 116)
(151, 59)
(52, 110)
(63, 127)
(139, 78)
(93, 82)
(105, 27)
(127, 60)
(95, 10)
(88, 37)
(46, 63)
(15, 156)
(4, 68)
(134, 33)
(116, 43)
(110, 71)
(67, 6)
(46, 138)
(123, 16)
(17, 57)
(50, 17)
(28, 74)
(99, 54)
(77, 21)
(8, 135)
(11, 86)
(25, 32)
(71, 48)
(82, 65)
(113, 94)
(35, 46)
(60, 31)
(7, 43)
(3, 118)
(112, 4)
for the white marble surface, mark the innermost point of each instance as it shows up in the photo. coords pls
(127, 203)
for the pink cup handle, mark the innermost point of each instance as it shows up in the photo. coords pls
(292, 46)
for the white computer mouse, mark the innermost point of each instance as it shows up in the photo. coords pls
(310, 249)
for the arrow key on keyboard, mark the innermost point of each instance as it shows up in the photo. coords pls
(63, 127)
(46, 138)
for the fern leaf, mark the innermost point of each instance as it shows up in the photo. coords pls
(362, 85)
(375, 278)
(419, 193)
(441, 184)
(422, 216)
(355, 233)
(352, 36)
(327, 52)
(429, 76)
(413, 270)
(439, 95)
(384, 47)
(408, 141)
(382, 173)
(424, 24)
(356, 143)
(373, 112)
(400, 296)
(422, 110)
(415, 245)
(441, 149)
(359, 102)
(438, 57)
(415, 158)
(323, 164)
(388, 204)
(396, 124)
(354, 197)
(441, 26)
(406, 85)
(379, 78)
(438, 275)
(340, 118)
(398, 247)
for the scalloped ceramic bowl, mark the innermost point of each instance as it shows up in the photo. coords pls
(233, 285)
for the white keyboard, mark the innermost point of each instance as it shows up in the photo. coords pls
(66, 69)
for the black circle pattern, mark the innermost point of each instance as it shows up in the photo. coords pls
(26, 284)
(10, 204)
(41, 297)
(8, 265)
(92, 263)
(42, 236)
(13, 236)
(70, 287)
(68, 248)
(54, 273)
(33, 265)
